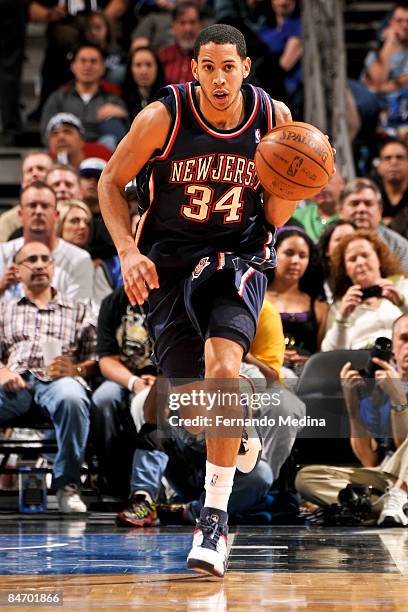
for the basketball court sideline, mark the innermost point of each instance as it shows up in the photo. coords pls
(95, 565)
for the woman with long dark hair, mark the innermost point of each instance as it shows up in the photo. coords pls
(296, 289)
(144, 77)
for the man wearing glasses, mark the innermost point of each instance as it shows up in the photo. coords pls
(47, 352)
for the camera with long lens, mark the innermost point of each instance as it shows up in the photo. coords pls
(353, 507)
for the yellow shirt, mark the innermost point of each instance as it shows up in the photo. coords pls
(269, 343)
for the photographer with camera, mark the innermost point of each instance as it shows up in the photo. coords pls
(377, 406)
(370, 292)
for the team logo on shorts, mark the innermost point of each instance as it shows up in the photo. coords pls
(257, 136)
(295, 165)
(203, 263)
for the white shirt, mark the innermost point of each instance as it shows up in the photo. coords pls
(73, 269)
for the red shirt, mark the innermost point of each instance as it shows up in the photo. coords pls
(176, 64)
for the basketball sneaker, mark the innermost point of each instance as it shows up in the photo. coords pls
(392, 513)
(69, 499)
(208, 553)
(139, 513)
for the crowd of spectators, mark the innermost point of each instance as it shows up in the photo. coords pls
(340, 283)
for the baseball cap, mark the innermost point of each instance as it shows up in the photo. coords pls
(91, 165)
(61, 119)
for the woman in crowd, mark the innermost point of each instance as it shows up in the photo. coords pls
(296, 289)
(75, 222)
(144, 77)
(98, 30)
(370, 291)
(328, 241)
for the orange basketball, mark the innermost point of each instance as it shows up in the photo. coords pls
(294, 161)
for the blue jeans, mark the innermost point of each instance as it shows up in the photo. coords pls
(67, 403)
(150, 465)
(113, 437)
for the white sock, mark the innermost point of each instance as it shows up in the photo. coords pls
(218, 485)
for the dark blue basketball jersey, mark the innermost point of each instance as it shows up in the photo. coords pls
(202, 194)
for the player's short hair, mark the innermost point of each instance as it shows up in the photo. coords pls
(221, 34)
(357, 185)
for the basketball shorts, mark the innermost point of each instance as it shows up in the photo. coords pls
(221, 298)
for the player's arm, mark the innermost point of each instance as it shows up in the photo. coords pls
(277, 210)
(147, 134)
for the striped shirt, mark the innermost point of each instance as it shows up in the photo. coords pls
(24, 327)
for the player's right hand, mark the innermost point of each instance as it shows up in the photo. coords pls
(139, 275)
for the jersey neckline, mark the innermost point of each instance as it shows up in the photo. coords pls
(251, 101)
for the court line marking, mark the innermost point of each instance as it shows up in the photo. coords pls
(390, 546)
(36, 546)
(258, 547)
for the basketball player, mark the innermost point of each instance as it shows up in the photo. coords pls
(204, 239)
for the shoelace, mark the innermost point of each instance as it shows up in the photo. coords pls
(140, 508)
(210, 529)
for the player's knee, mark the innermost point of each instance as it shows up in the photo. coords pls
(221, 370)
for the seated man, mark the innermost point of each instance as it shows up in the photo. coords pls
(371, 412)
(28, 324)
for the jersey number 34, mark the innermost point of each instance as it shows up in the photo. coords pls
(202, 204)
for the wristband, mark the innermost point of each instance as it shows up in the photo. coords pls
(131, 382)
(340, 321)
(399, 408)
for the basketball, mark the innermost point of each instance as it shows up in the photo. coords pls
(294, 161)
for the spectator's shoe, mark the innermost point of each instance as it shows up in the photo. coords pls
(392, 514)
(250, 450)
(209, 550)
(139, 513)
(69, 499)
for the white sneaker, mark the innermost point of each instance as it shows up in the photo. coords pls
(69, 499)
(393, 513)
(208, 553)
(250, 450)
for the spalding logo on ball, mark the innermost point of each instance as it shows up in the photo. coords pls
(294, 161)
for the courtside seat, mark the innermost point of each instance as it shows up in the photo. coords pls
(320, 388)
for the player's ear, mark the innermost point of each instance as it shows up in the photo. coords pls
(246, 67)
(194, 69)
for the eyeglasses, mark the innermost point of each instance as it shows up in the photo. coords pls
(31, 260)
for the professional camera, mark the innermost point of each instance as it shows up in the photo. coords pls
(353, 507)
(383, 350)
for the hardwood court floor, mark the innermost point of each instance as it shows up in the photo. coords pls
(100, 567)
